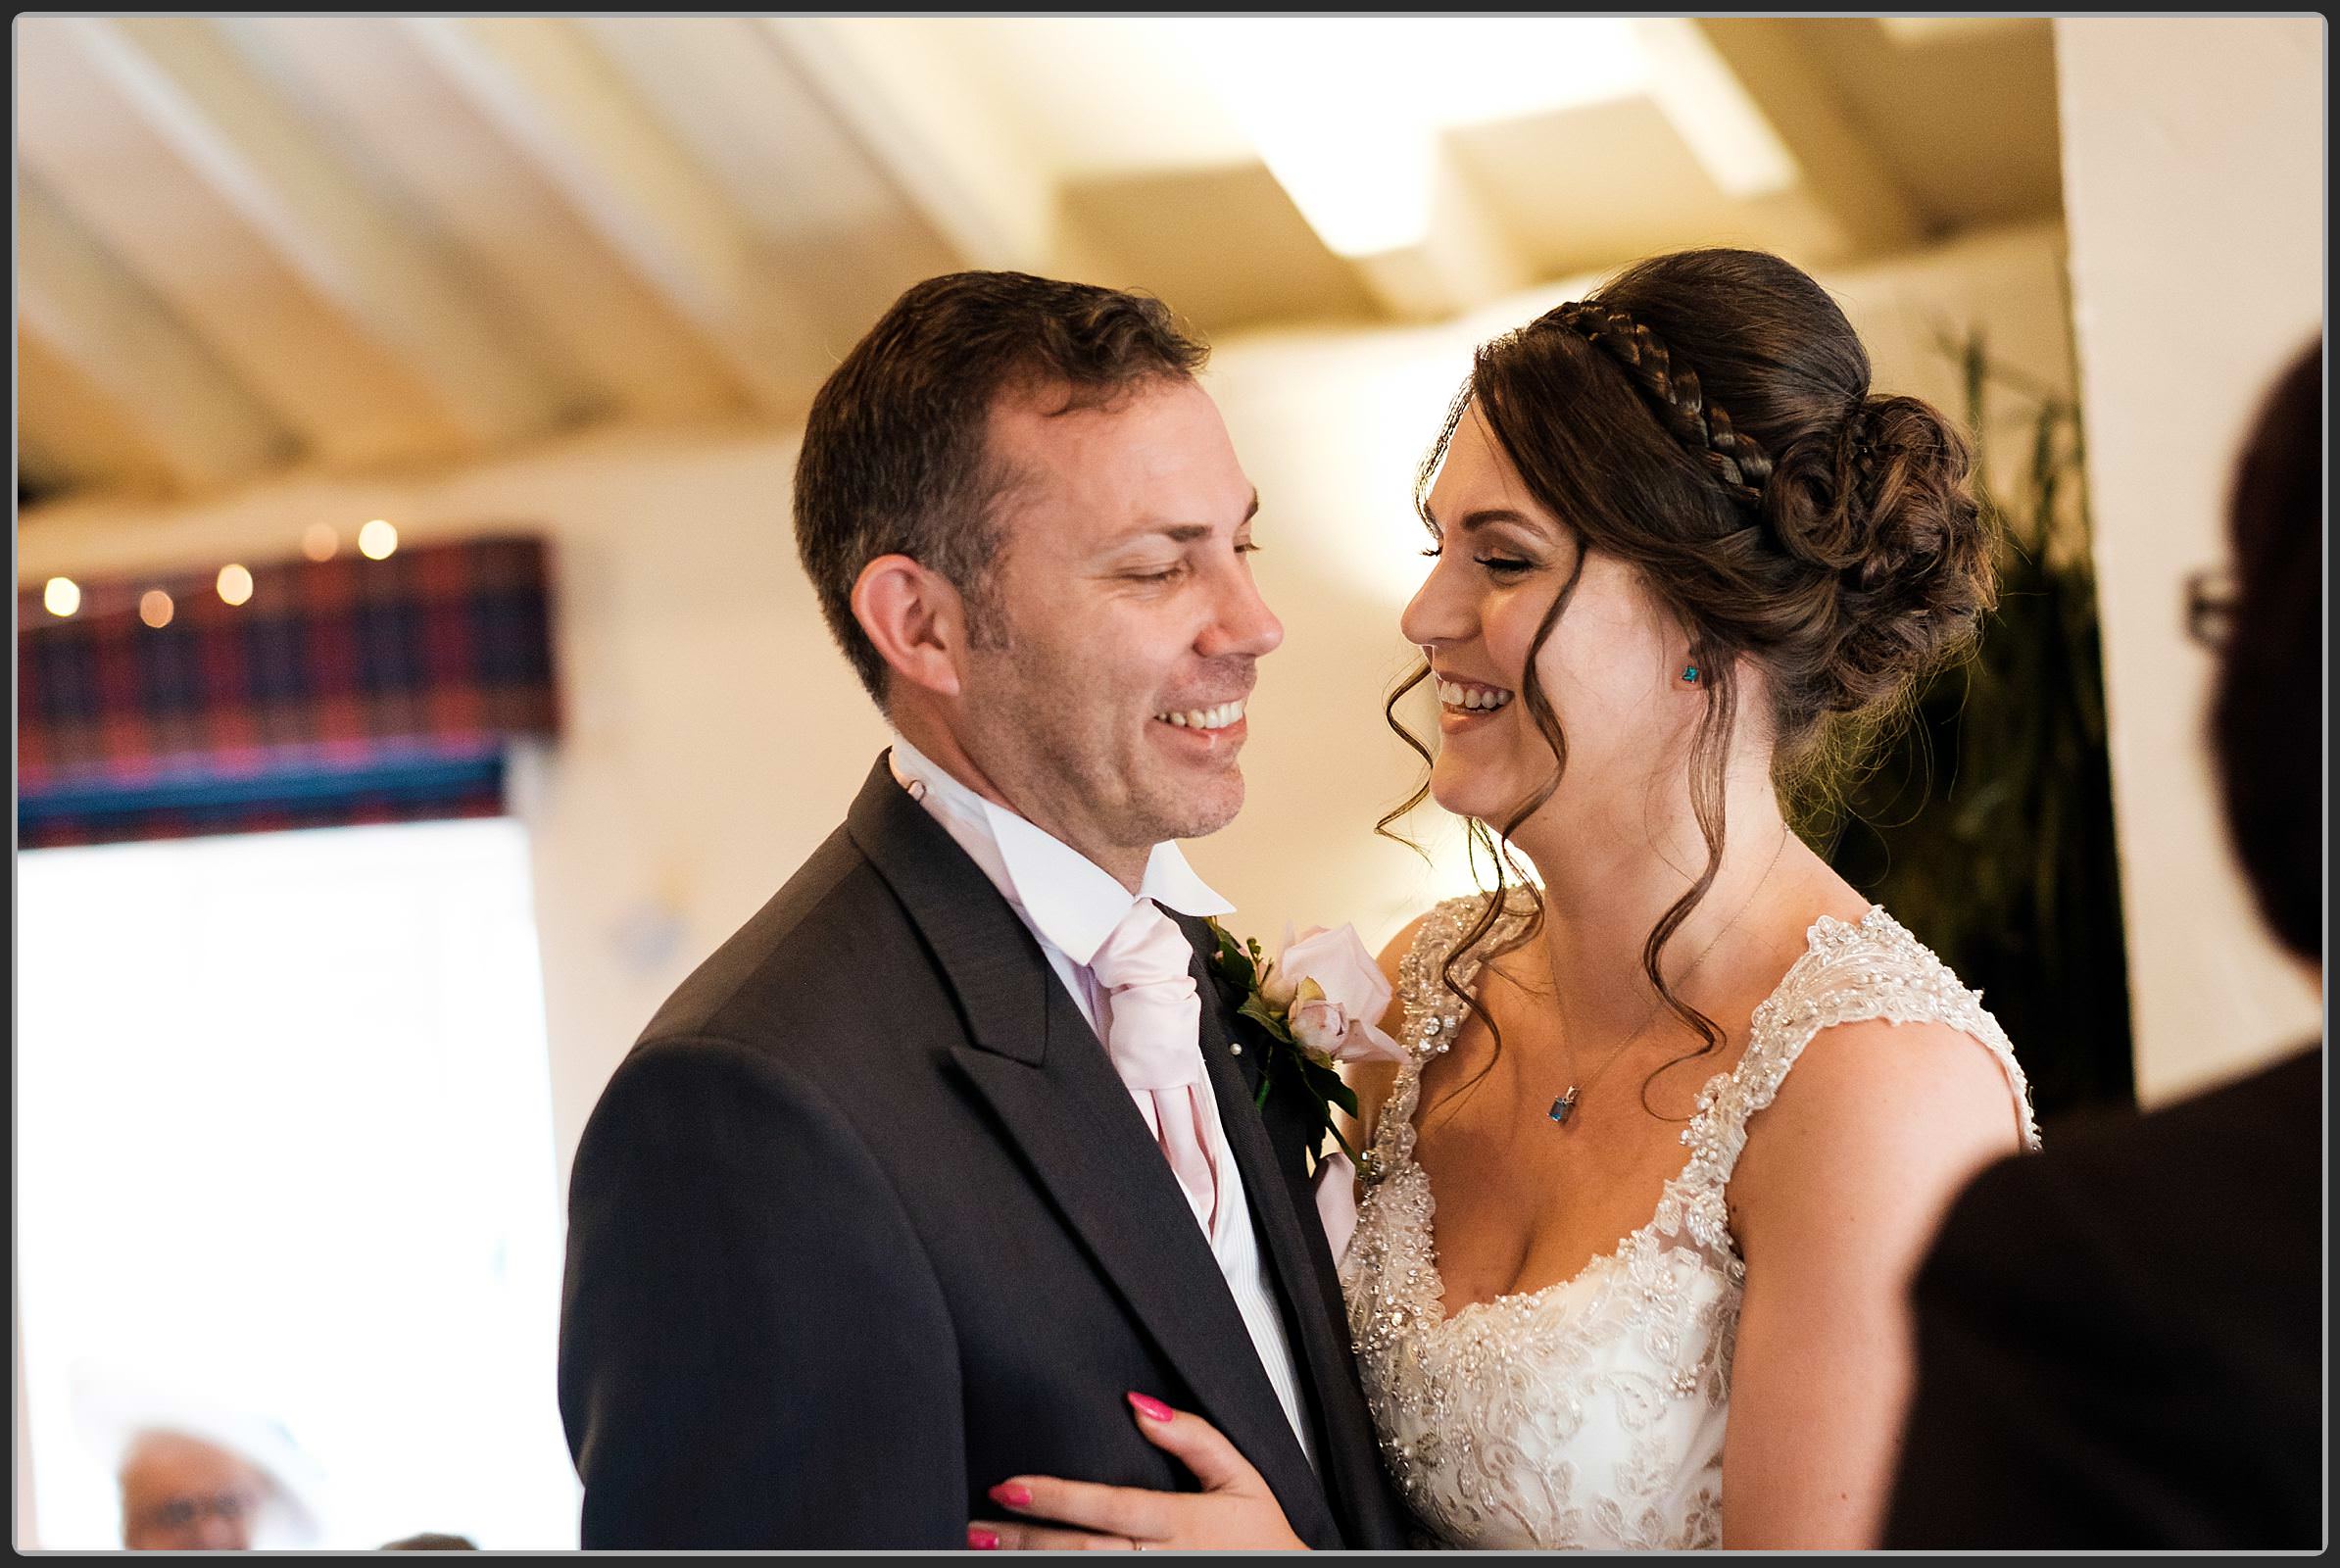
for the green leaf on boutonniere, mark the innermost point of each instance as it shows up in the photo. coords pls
(1257, 1011)
(1230, 958)
(1327, 1083)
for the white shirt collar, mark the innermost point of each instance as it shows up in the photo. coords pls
(1070, 898)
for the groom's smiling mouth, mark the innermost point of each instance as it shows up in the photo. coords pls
(1219, 716)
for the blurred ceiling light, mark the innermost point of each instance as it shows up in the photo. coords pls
(1347, 114)
(319, 542)
(155, 608)
(1907, 31)
(62, 596)
(377, 540)
(235, 584)
(1711, 110)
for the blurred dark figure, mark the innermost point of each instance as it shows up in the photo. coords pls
(2119, 1340)
(182, 1492)
(431, 1541)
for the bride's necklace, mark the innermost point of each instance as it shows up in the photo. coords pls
(1566, 1106)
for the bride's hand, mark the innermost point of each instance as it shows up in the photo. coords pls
(1233, 1509)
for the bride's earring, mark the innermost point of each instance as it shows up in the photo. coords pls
(1689, 674)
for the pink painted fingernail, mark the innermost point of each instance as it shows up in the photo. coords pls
(1152, 1409)
(982, 1539)
(1010, 1494)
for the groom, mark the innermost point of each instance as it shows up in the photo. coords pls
(950, 1148)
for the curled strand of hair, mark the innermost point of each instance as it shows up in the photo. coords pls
(1424, 475)
(1710, 748)
(1427, 472)
(1497, 906)
(1413, 678)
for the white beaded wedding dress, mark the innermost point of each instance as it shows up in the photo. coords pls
(1591, 1413)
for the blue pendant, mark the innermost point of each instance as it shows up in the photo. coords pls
(1564, 1107)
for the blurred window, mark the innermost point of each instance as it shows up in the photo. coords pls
(284, 1140)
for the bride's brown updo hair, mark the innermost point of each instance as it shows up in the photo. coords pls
(1706, 416)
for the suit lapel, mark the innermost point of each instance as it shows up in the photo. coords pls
(1036, 1061)
(1347, 1458)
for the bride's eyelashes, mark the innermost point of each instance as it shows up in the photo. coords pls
(1500, 565)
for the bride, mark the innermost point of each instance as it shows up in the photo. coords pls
(1675, 1125)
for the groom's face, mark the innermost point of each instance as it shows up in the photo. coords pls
(1112, 711)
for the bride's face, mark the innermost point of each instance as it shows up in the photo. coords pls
(1611, 667)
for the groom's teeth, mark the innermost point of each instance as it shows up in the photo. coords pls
(1218, 717)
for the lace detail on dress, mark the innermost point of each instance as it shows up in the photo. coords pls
(1591, 1413)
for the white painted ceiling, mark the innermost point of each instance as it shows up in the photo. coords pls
(254, 242)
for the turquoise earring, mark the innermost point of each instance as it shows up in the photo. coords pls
(1689, 673)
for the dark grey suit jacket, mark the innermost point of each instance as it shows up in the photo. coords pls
(2121, 1338)
(866, 1223)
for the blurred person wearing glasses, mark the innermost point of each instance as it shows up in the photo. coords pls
(182, 1492)
(2119, 1341)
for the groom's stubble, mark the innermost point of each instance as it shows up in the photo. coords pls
(1065, 762)
(1120, 589)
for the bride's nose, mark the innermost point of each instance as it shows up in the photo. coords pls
(1437, 614)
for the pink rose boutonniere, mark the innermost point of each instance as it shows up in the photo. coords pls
(1316, 1003)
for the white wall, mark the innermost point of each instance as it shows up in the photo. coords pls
(714, 735)
(27, 1528)
(2194, 193)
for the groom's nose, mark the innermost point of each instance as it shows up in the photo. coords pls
(1240, 623)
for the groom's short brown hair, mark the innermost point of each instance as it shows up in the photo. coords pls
(894, 459)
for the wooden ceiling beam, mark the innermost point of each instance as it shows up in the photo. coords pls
(94, 336)
(1759, 113)
(181, 204)
(918, 113)
(834, 230)
(436, 118)
(555, 102)
(1464, 259)
(382, 265)
(72, 434)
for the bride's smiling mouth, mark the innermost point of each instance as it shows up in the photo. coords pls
(1470, 695)
(1467, 704)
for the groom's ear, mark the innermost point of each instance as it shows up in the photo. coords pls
(916, 620)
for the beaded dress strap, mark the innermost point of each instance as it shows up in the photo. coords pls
(1433, 1015)
(1847, 974)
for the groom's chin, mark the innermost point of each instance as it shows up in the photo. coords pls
(1209, 809)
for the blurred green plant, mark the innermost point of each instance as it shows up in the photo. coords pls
(1984, 823)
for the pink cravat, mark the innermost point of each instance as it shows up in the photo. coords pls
(1156, 1045)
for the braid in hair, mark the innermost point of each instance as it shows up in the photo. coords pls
(1864, 450)
(1672, 392)
(1858, 465)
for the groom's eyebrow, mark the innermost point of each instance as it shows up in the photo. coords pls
(1183, 534)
